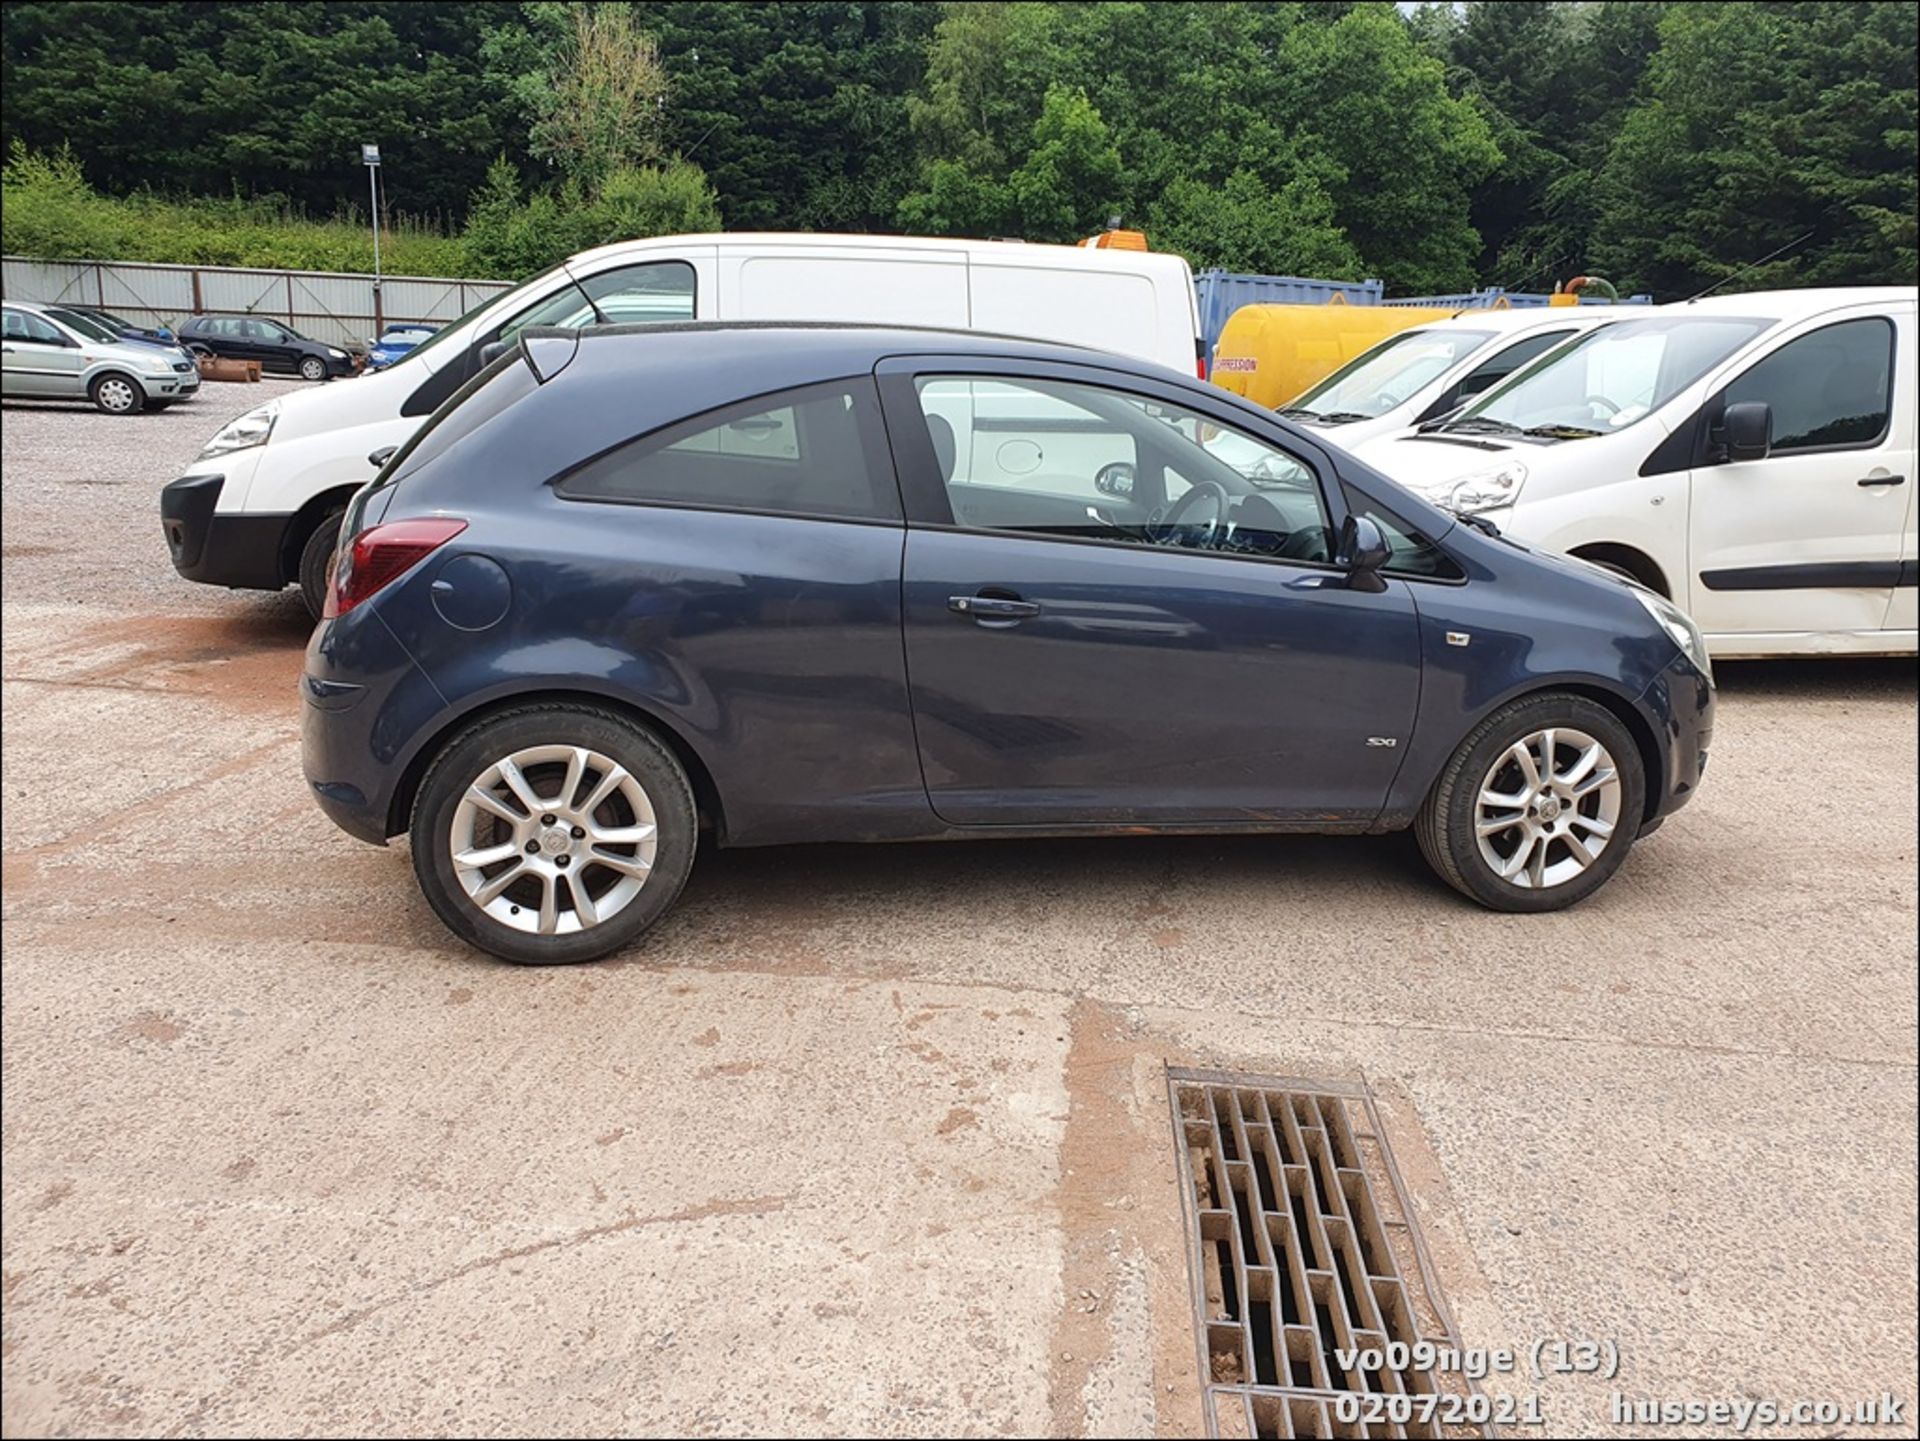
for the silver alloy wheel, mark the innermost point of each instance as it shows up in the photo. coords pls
(553, 839)
(312, 368)
(1547, 808)
(117, 395)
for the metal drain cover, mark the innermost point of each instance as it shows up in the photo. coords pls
(1301, 1246)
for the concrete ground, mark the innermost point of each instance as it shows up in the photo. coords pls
(874, 1140)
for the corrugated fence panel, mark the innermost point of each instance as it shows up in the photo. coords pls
(336, 308)
(1221, 292)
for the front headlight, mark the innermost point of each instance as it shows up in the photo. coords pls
(1484, 489)
(336, 354)
(1678, 624)
(253, 428)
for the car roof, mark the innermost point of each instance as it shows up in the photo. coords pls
(1527, 317)
(1795, 304)
(832, 343)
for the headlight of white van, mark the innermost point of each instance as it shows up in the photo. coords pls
(1678, 624)
(1485, 489)
(253, 428)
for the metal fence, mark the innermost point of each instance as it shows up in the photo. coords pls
(326, 306)
(1494, 297)
(1222, 292)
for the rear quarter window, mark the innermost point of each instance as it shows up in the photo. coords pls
(818, 451)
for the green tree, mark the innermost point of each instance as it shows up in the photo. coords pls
(1762, 124)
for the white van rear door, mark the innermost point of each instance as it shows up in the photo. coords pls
(850, 283)
(1130, 302)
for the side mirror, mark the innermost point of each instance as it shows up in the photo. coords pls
(1746, 430)
(1363, 551)
(1115, 479)
(380, 457)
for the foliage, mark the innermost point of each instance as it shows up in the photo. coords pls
(1664, 145)
(1328, 117)
(590, 83)
(48, 209)
(1762, 124)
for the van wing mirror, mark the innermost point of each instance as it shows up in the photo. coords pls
(1746, 430)
(380, 457)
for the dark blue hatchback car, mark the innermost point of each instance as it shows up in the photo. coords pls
(811, 583)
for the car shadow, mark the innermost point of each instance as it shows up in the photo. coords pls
(1818, 678)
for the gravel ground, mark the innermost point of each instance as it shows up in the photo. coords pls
(874, 1140)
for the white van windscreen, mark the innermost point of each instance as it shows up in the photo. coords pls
(1608, 378)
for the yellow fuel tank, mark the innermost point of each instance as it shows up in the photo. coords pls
(1271, 353)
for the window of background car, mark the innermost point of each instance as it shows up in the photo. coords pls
(818, 452)
(1613, 376)
(20, 325)
(1490, 372)
(86, 326)
(659, 291)
(1831, 387)
(1373, 383)
(1085, 462)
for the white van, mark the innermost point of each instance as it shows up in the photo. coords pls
(1421, 373)
(259, 507)
(1749, 456)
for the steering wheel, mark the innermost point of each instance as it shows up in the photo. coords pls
(1175, 514)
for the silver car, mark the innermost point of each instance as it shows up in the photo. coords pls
(51, 356)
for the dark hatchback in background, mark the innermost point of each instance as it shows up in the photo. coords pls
(277, 347)
(790, 584)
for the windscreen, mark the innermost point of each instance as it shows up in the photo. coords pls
(1609, 378)
(1393, 371)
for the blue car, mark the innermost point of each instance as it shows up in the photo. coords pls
(804, 583)
(395, 342)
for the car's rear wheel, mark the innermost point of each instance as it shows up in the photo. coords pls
(553, 833)
(312, 367)
(316, 562)
(117, 395)
(1538, 806)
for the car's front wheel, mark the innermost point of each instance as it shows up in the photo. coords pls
(312, 367)
(117, 395)
(1537, 807)
(553, 833)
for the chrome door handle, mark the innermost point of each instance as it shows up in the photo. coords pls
(1870, 480)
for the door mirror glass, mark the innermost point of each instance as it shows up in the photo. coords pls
(1746, 429)
(1115, 479)
(1363, 552)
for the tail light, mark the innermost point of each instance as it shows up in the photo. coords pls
(1200, 359)
(381, 555)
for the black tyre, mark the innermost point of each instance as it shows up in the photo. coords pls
(553, 833)
(316, 562)
(117, 394)
(1538, 806)
(312, 367)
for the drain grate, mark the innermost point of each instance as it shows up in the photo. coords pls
(1301, 1246)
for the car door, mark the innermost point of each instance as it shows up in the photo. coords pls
(1808, 539)
(268, 344)
(1094, 636)
(41, 359)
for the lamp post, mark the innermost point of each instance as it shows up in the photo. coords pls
(370, 157)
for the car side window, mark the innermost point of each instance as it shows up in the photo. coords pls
(660, 291)
(1063, 459)
(818, 452)
(1829, 388)
(20, 325)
